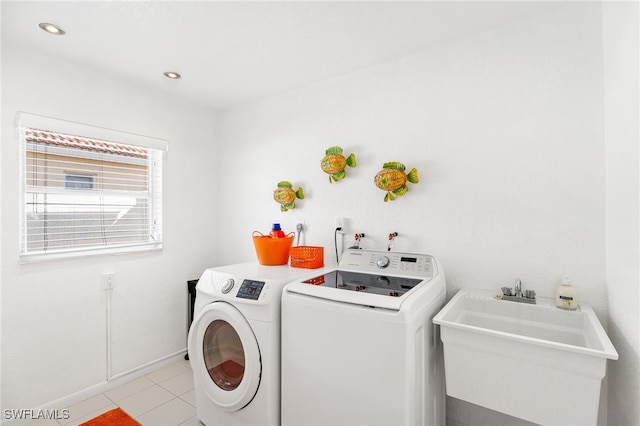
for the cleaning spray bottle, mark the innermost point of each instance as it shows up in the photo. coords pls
(566, 295)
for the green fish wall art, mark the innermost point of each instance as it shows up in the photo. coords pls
(393, 179)
(286, 196)
(334, 163)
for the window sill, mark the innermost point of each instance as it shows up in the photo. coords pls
(78, 254)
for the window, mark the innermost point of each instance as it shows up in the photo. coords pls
(74, 180)
(83, 194)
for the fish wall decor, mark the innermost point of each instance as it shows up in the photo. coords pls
(334, 163)
(286, 196)
(393, 179)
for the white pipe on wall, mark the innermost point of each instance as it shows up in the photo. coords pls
(109, 290)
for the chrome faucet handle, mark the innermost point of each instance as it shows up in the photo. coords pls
(518, 288)
(506, 291)
(530, 294)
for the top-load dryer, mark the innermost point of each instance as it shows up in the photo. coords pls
(234, 343)
(359, 346)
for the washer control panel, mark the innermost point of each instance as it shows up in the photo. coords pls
(250, 289)
(369, 261)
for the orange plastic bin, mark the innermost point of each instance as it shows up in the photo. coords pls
(272, 251)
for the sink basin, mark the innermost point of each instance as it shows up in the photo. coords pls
(535, 362)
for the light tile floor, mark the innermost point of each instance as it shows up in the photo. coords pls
(162, 398)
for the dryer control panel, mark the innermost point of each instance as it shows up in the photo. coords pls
(250, 289)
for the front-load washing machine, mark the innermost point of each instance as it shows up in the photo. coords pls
(234, 343)
(359, 346)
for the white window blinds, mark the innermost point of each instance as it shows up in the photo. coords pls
(83, 195)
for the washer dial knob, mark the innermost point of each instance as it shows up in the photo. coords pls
(383, 262)
(227, 285)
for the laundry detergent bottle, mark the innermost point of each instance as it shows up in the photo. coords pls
(566, 295)
(276, 232)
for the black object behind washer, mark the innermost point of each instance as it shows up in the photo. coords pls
(191, 288)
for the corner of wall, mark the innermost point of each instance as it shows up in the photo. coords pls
(621, 97)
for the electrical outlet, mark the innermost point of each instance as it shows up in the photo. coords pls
(108, 280)
(341, 222)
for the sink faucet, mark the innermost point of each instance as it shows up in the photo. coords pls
(518, 288)
(516, 294)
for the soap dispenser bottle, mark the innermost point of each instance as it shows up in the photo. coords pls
(566, 295)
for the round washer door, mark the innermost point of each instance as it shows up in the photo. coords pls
(225, 355)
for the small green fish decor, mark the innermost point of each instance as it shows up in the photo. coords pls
(393, 179)
(334, 163)
(286, 196)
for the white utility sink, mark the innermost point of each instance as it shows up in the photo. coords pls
(532, 361)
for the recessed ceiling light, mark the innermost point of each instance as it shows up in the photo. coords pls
(52, 29)
(172, 75)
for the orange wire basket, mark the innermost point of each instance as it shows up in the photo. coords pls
(272, 251)
(307, 257)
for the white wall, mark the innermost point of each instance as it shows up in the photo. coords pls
(622, 112)
(54, 313)
(506, 132)
(505, 129)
